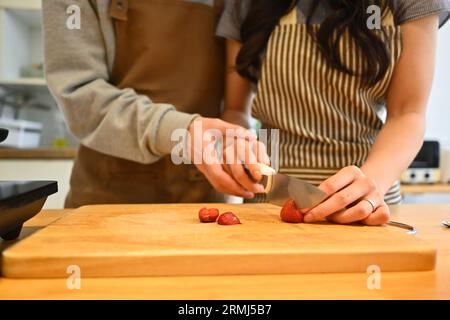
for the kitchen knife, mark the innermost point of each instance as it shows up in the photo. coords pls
(280, 188)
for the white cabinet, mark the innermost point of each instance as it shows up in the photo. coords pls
(56, 170)
(21, 52)
(21, 47)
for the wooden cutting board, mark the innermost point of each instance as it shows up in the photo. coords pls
(159, 240)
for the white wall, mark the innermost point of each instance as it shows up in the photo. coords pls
(438, 123)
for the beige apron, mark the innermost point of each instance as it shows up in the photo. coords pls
(327, 119)
(167, 50)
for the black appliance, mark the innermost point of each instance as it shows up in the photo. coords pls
(426, 166)
(20, 201)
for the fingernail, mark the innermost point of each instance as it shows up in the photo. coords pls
(248, 134)
(308, 218)
(249, 195)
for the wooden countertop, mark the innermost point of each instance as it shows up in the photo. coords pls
(406, 285)
(38, 153)
(425, 188)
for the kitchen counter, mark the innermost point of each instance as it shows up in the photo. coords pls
(405, 285)
(425, 188)
(38, 153)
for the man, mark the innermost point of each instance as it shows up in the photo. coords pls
(127, 75)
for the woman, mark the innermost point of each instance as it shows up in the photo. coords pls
(325, 77)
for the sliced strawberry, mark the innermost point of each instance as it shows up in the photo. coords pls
(228, 219)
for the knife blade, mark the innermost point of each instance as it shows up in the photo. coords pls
(280, 188)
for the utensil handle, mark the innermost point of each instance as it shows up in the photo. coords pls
(267, 171)
(411, 229)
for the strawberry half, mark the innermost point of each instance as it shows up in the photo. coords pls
(228, 219)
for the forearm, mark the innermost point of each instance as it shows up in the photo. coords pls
(239, 118)
(402, 136)
(395, 148)
(238, 90)
(237, 102)
(117, 122)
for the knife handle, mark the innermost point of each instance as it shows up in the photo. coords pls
(267, 171)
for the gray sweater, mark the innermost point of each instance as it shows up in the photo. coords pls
(78, 65)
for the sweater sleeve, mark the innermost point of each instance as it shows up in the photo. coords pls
(117, 122)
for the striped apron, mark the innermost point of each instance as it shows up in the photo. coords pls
(327, 119)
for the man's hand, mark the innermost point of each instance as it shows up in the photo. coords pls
(204, 133)
(244, 154)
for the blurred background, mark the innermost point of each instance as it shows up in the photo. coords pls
(39, 146)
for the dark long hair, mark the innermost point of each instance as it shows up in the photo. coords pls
(346, 15)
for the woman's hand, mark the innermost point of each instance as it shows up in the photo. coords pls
(349, 191)
(213, 166)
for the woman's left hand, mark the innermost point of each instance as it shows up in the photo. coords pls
(349, 191)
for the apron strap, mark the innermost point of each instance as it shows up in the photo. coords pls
(290, 18)
(388, 18)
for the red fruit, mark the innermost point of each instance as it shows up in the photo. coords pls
(228, 219)
(290, 213)
(208, 215)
